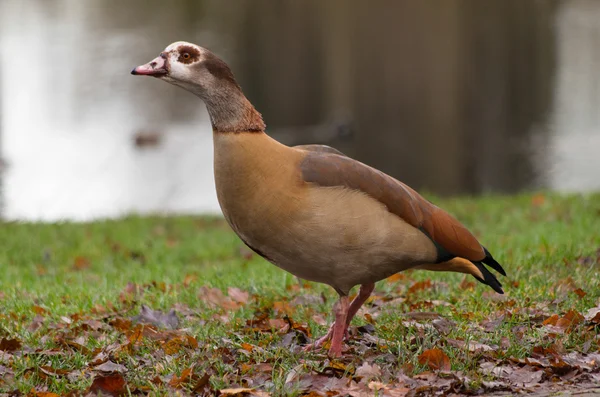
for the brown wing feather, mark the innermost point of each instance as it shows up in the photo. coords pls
(319, 148)
(328, 169)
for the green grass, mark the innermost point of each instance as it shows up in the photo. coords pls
(549, 248)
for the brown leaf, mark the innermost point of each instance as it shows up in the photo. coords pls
(396, 277)
(39, 310)
(215, 298)
(593, 315)
(262, 323)
(242, 392)
(157, 318)
(526, 376)
(121, 324)
(320, 320)
(202, 386)
(470, 346)
(538, 200)
(466, 284)
(569, 320)
(76, 346)
(435, 359)
(10, 345)
(46, 370)
(112, 385)
(420, 316)
(551, 320)
(283, 307)
(42, 394)
(81, 263)
(189, 279)
(419, 286)
(238, 295)
(443, 325)
(130, 292)
(110, 366)
(367, 371)
(248, 347)
(181, 380)
(579, 292)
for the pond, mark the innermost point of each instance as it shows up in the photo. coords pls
(81, 139)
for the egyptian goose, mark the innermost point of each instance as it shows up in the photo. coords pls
(310, 210)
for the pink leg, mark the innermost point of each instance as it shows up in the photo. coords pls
(339, 327)
(363, 294)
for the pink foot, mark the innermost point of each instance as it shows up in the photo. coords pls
(325, 338)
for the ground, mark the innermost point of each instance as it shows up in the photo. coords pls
(164, 305)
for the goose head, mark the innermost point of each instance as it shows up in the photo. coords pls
(191, 67)
(201, 72)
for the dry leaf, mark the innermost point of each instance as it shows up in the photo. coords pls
(419, 286)
(238, 295)
(367, 371)
(157, 318)
(10, 345)
(81, 263)
(111, 385)
(109, 366)
(435, 359)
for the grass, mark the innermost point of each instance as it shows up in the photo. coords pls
(59, 275)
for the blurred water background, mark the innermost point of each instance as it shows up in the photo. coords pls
(453, 97)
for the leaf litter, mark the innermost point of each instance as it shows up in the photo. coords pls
(152, 350)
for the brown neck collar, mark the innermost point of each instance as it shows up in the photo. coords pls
(230, 111)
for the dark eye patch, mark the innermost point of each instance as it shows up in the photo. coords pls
(194, 54)
(219, 69)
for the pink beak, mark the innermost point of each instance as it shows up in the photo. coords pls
(157, 67)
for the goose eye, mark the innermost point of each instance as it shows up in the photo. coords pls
(186, 56)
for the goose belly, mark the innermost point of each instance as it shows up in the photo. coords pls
(334, 235)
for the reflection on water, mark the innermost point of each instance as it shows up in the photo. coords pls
(574, 160)
(70, 110)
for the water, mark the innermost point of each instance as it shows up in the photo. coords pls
(70, 111)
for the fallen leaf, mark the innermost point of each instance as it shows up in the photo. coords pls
(157, 318)
(112, 385)
(435, 359)
(178, 343)
(420, 316)
(110, 366)
(81, 263)
(185, 377)
(367, 371)
(242, 392)
(283, 307)
(42, 394)
(443, 325)
(238, 295)
(492, 325)
(466, 284)
(538, 200)
(419, 286)
(396, 277)
(215, 298)
(593, 315)
(10, 345)
(320, 320)
(39, 310)
(471, 346)
(189, 279)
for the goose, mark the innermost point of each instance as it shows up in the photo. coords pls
(311, 210)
